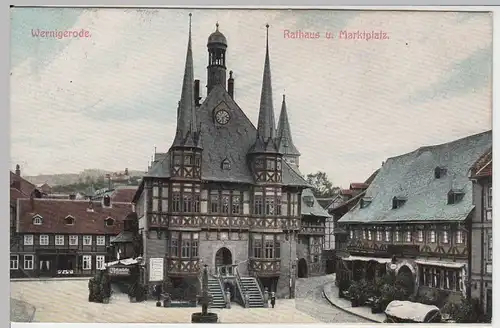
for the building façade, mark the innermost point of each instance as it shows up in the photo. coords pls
(227, 192)
(481, 258)
(415, 219)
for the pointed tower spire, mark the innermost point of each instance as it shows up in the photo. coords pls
(284, 138)
(266, 126)
(187, 134)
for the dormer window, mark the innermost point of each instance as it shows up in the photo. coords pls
(439, 172)
(398, 202)
(37, 220)
(109, 222)
(226, 165)
(308, 200)
(69, 220)
(364, 202)
(106, 201)
(455, 196)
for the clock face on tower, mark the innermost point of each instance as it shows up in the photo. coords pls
(222, 117)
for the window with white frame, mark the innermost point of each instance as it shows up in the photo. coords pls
(28, 240)
(459, 237)
(490, 248)
(73, 240)
(397, 236)
(14, 262)
(432, 236)
(28, 262)
(44, 240)
(99, 262)
(408, 236)
(369, 235)
(364, 233)
(379, 235)
(101, 240)
(351, 234)
(444, 237)
(420, 236)
(87, 240)
(489, 197)
(87, 262)
(387, 235)
(59, 240)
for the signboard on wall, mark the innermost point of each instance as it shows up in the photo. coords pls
(119, 271)
(156, 269)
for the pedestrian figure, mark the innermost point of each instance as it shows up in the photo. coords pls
(273, 299)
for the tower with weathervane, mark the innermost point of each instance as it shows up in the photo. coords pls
(227, 193)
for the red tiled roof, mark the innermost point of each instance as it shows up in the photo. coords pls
(483, 166)
(53, 212)
(346, 191)
(24, 187)
(124, 195)
(358, 185)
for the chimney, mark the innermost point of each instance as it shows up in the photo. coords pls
(197, 92)
(72, 196)
(230, 84)
(126, 171)
(18, 170)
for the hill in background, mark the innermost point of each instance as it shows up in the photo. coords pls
(86, 182)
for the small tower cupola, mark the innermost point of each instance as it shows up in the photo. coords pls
(216, 70)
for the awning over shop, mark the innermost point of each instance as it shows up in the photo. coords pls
(123, 262)
(367, 259)
(416, 312)
(445, 264)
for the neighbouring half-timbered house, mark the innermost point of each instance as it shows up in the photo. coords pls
(417, 212)
(481, 255)
(56, 237)
(226, 193)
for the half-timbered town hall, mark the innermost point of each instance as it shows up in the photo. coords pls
(228, 194)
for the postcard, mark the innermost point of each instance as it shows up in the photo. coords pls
(250, 166)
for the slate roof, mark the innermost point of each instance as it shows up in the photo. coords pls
(54, 211)
(412, 176)
(231, 141)
(316, 209)
(284, 138)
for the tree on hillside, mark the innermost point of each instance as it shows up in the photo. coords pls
(322, 186)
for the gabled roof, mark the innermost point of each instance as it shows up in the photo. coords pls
(483, 166)
(24, 188)
(53, 212)
(316, 209)
(412, 176)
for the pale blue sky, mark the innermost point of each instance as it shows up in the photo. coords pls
(106, 101)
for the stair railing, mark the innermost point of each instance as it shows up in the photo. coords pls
(242, 293)
(218, 276)
(260, 287)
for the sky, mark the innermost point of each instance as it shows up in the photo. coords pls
(105, 101)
